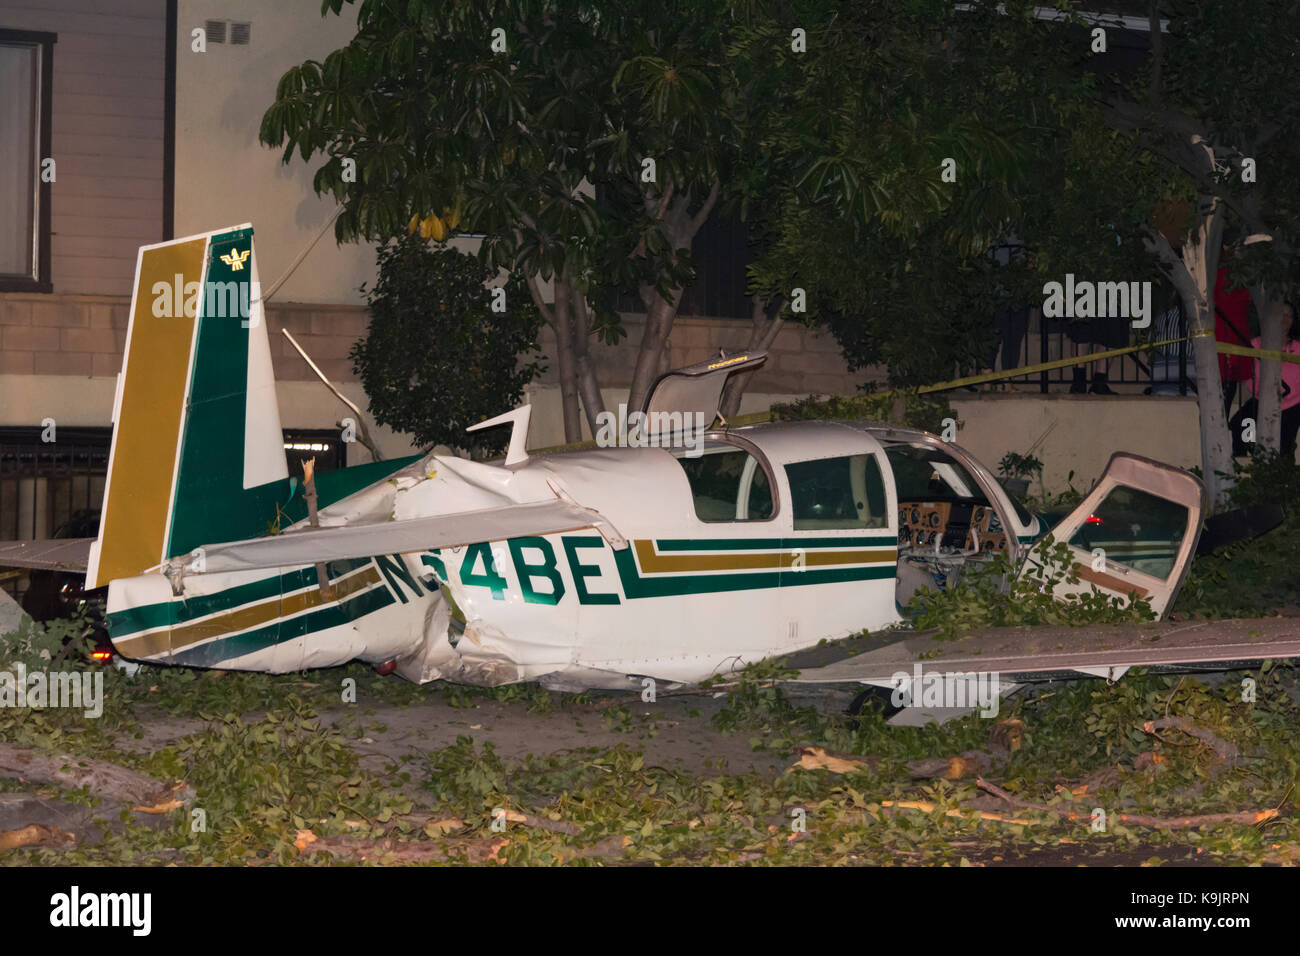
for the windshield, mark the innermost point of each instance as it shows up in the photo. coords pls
(923, 472)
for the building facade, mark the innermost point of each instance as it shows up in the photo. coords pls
(118, 129)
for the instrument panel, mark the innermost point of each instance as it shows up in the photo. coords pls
(957, 525)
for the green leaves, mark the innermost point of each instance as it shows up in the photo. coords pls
(436, 358)
(1256, 577)
(993, 595)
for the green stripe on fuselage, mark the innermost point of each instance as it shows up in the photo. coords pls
(777, 544)
(635, 586)
(122, 624)
(237, 645)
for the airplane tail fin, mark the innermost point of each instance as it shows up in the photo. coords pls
(198, 452)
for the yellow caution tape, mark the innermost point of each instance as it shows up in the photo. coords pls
(755, 418)
(1057, 363)
(1227, 349)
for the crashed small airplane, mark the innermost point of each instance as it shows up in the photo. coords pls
(590, 568)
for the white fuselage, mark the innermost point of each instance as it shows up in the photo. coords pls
(777, 537)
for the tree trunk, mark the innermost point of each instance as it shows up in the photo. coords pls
(1193, 274)
(565, 364)
(557, 317)
(660, 313)
(1216, 441)
(765, 325)
(1200, 259)
(108, 781)
(680, 228)
(593, 403)
(1268, 426)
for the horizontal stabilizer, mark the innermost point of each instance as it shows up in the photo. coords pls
(312, 545)
(51, 554)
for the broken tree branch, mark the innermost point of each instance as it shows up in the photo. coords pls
(107, 780)
(363, 433)
(1225, 751)
(1247, 817)
(926, 806)
(37, 834)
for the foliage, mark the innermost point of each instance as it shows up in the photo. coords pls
(436, 357)
(1266, 478)
(971, 85)
(41, 645)
(261, 777)
(1049, 505)
(527, 122)
(898, 406)
(259, 782)
(1015, 465)
(992, 595)
(1253, 577)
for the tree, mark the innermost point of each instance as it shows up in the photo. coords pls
(1082, 164)
(913, 163)
(437, 357)
(1212, 110)
(507, 115)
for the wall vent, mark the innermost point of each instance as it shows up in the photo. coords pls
(215, 30)
(240, 33)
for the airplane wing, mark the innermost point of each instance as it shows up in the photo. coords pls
(312, 545)
(50, 554)
(1046, 653)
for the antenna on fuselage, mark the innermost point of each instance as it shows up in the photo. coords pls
(517, 452)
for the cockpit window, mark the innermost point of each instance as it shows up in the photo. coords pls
(925, 473)
(832, 493)
(728, 484)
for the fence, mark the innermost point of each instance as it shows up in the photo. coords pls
(1169, 369)
(50, 488)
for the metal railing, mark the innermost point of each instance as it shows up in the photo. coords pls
(50, 487)
(1166, 370)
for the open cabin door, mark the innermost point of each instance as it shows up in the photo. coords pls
(1134, 533)
(678, 397)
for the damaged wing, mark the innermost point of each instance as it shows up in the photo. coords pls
(312, 545)
(51, 554)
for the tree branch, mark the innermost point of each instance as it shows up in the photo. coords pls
(698, 221)
(535, 291)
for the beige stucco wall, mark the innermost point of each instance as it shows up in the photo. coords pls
(224, 176)
(59, 357)
(1082, 431)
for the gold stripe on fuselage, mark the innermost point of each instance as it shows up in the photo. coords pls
(242, 618)
(654, 563)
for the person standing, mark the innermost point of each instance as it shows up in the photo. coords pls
(1107, 332)
(1231, 326)
(1010, 321)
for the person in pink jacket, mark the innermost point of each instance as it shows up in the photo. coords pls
(1290, 390)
